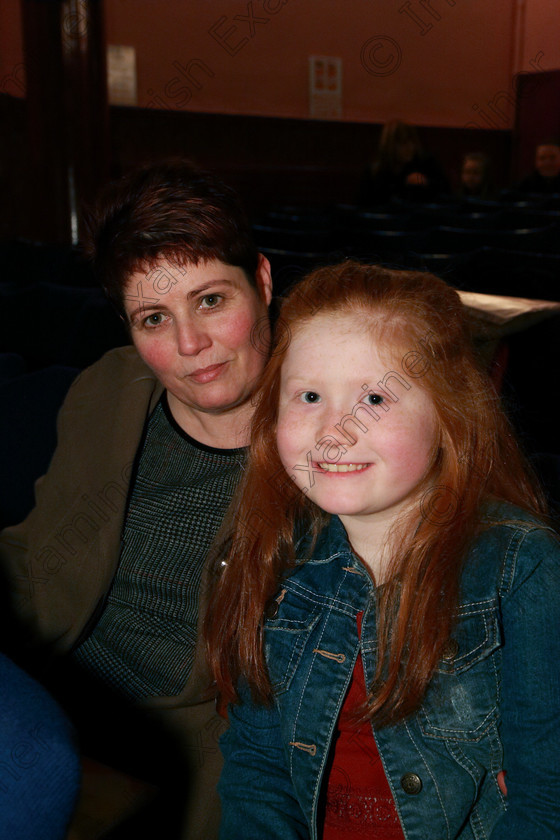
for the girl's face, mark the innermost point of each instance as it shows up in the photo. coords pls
(356, 448)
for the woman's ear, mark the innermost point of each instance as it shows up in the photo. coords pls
(263, 279)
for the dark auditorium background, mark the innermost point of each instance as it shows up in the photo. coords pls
(227, 83)
(286, 100)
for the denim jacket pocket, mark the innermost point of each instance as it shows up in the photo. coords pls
(286, 633)
(462, 700)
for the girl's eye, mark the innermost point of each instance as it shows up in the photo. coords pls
(373, 399)
(310, 397)
(210, 301)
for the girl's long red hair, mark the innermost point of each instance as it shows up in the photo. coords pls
(476, 458)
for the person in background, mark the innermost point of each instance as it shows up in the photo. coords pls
(402, 169)
(107, 571)
(545, 178)
(385, 623)
(476, 177)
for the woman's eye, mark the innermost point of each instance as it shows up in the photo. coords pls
(373, 399)
(310, 397)
(154, 320)
(210, 301)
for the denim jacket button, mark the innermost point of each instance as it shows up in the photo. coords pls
(271, 609)
(411, 783)
(450, 650)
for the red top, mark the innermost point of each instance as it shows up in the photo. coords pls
(358, 801)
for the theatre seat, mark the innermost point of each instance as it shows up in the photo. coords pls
(30, 405)
(290, 266)
(61, 325)
(502, 271)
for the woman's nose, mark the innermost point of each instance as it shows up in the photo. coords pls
(191, 338)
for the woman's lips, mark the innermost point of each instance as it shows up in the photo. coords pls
(207, 374)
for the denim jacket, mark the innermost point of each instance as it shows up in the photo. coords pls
(493, 703)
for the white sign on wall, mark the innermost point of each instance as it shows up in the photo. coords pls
(325, 87)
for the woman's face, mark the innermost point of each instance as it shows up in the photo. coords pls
(202, 329)
(405, 151)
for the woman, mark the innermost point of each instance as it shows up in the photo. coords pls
(401, 169)
(108, 568)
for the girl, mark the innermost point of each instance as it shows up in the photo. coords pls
(386, 624)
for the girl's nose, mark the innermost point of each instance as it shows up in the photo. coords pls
(330, 437)
(192, 338)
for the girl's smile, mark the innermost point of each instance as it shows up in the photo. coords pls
(341, 469)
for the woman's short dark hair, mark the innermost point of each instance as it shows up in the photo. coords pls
(168, 210)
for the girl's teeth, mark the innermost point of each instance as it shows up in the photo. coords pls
(341, 467)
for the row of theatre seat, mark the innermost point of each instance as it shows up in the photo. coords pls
(502, 247)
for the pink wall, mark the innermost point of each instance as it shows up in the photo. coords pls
(12, 76)
(398, 58)
(431, 62)
(541, 27)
